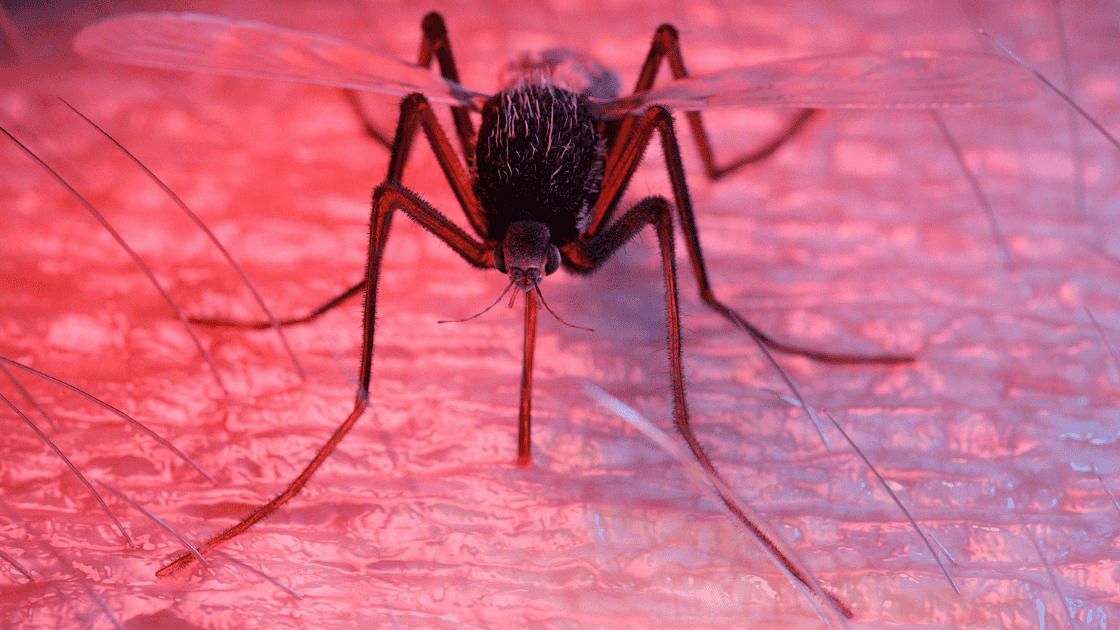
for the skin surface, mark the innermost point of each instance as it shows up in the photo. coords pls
(862, 235)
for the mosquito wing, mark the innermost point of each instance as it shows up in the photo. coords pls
(916, 79)
(207, 43)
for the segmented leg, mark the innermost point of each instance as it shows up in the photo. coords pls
(666, 45)
(628, 154)
(435, 43)
(387, 198)
(306, 319)
(588, 254)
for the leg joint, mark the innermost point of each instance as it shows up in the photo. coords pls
(666, 37)
(434, 27)
(414, 101)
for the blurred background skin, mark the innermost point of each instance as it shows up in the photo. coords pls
(861, 235)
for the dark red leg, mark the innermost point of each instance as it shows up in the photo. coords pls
(628, 153)
(588, 254)
(306, 319)
(387, 198)
(666, 45)
(435, 45)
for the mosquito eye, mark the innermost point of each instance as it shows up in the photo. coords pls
(500, 259)
(553, 262)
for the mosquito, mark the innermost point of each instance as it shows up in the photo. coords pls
(541, 181)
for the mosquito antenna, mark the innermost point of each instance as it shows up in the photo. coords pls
(549, 309)
(209, 234)
(485, 310)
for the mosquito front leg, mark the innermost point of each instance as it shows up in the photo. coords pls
(387, 198)
(666, 45)
(586, 257)
(416, 113)
(590, 252)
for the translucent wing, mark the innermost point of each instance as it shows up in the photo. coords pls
(917, 79)
(206, 43)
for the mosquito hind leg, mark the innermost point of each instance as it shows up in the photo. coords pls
(666, 46)
(592, 250)
(617, 176)
(435, 44)
(306, 319)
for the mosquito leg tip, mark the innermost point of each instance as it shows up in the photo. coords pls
(175, 566)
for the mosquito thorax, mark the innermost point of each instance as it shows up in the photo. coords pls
(526, 254)
(572, 69)
(539, 157)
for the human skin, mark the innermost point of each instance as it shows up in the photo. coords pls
(862, 235)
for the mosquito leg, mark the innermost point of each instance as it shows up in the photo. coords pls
(692, 239)
(387, 198)
(363, 116)
(618, 174)
(587, 257)
(416, 113)
(666, 45)
(590, 252)
(435, 44)
(270, 507)
(306, 319)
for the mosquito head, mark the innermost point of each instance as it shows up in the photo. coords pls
(526, 254)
